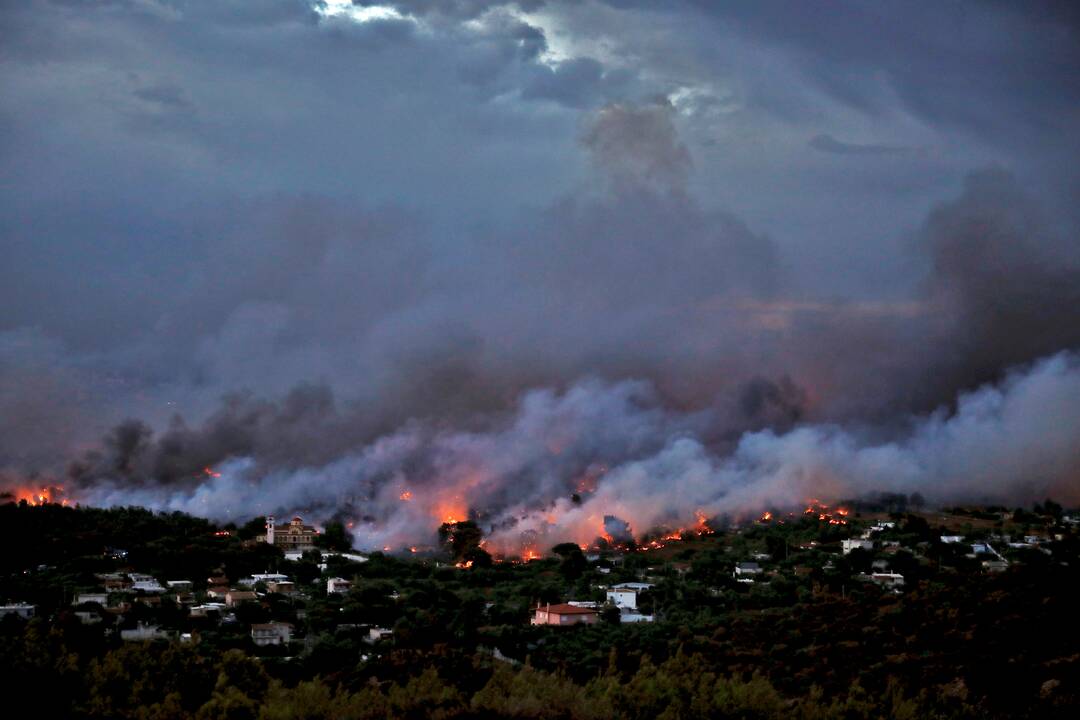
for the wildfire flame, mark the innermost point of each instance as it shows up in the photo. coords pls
(819, 509)
(210, 472)
(406, 496)
(40, 496)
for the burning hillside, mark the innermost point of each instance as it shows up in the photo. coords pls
(607, 465)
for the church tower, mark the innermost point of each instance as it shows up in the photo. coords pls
(270, 529)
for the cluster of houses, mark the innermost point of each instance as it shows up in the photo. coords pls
(623, 597)
(120, 591)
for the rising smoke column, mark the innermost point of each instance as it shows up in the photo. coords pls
(1018, 440)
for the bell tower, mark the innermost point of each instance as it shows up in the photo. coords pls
(270, 529)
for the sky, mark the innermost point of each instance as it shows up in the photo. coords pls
(348, 249)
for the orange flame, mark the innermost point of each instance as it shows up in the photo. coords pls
(40, 496)
(210, 472)
(406, 496)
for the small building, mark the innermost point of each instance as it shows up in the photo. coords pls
(88, 617)
(633, 616)
(746, 570)
(995, 566)
(952, 539)
(283, 587)
(564, 614)
(263, 577)
(377, 634)
(179, 585)
(22, 610)
(94, 597)
(145, 583)
(114, 582)
(856, 544)
(886, 579)
(144, 632)
(338, 585)
(218, 592)
(236, 597)
(273, 633)
(201, 611)
(623, 597)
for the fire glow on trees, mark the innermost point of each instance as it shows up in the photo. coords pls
(835, 516)
(52, 494)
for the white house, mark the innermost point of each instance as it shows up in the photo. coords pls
(639, 586)
(21, 609)
(746, 569)
(623, 598)
(180, 585)
(99, 598)
(263, 577)
(144, 632)
(338, 585)
(273, 633)
(376, 634)
(952, 539)
(145, 583)
(888, 579)
(856, 544)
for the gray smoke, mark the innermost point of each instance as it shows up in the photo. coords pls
(626, 346)
(1015, 441)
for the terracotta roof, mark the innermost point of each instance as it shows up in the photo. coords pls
(567, 609)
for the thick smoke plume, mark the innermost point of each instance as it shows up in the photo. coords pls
(609, 459)
(619, 362)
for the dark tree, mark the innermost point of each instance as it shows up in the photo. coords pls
(460, 538)
(335, 537)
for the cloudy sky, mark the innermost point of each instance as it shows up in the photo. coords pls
(285, 229)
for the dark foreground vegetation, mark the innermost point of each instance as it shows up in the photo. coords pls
(810, 638)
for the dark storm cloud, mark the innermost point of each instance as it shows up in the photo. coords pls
(494, 251)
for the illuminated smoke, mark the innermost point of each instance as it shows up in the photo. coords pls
(522, 481)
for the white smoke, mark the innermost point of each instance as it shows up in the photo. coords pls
(623, 455)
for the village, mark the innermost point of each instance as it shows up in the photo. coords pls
(310, 594)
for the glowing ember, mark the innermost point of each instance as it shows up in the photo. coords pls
(406, 496)
(210, 472)
(765, 516)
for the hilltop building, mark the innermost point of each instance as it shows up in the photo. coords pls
(294, 536)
